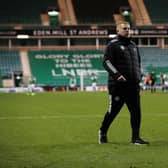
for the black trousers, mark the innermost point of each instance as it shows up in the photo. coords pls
(124, 93)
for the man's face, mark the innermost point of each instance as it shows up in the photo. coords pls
(124, 30)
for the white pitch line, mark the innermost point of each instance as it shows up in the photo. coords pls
(71, 116)
(47, 117)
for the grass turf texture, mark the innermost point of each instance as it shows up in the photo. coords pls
(60, 130)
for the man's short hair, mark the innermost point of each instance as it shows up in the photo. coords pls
(122, 22)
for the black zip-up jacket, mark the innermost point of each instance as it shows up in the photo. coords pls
(122, 58)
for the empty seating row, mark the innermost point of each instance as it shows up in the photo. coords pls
(97, 11)
(24, 12)
(154, 58)
(9, 62)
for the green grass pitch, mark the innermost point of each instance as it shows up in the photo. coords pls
(60, 130)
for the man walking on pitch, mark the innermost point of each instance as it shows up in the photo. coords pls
(122, 62)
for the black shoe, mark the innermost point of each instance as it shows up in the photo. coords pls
(139, 141)
(102, 138)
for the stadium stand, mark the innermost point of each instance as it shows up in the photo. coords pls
(21, 12)
(92, 18)
(157, 10)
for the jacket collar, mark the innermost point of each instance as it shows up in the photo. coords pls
(123, 39)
